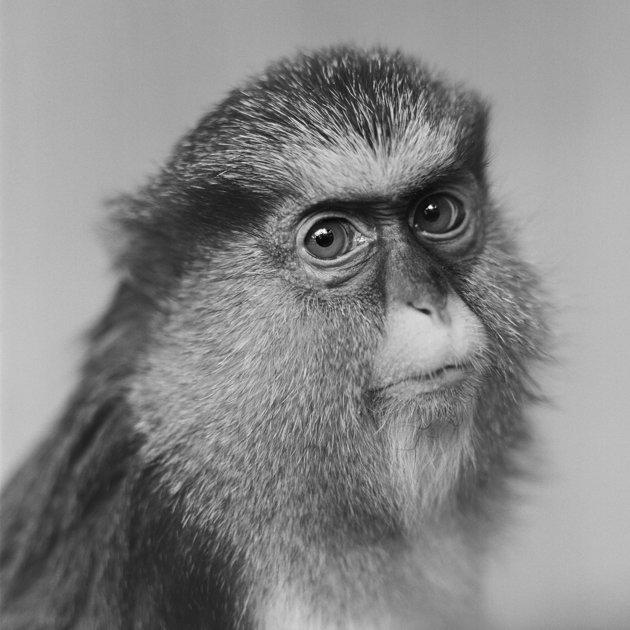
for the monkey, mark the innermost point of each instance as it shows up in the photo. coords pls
(306, 402)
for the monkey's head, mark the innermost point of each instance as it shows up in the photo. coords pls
(310, 383)
(340, 330)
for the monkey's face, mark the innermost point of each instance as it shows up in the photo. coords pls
(342, 300)
(402, 251)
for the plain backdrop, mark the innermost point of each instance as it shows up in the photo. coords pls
(94, 94)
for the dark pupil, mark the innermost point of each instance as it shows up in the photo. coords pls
(431, 213)
(324, 237)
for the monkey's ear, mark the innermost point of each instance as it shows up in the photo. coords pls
(146, 242)
(173, 220)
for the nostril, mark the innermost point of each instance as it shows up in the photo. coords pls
(421, 307)
(437, 312)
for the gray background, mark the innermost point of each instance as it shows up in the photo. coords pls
(95, 93)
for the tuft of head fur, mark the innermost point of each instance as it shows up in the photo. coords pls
(223, 462)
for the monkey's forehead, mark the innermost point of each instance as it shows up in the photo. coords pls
(341, 122)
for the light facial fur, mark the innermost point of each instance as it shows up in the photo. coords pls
(269, 436)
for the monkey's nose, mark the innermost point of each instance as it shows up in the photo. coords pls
(422, 337)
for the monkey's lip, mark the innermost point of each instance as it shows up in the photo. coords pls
(424, 382)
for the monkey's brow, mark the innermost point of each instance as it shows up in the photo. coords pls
(390, 205)
(382, 207)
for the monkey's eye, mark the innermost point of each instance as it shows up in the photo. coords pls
(329, 239)
(438, 216)
(334, 243)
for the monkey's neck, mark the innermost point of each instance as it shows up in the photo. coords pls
(426, 580)
(364, 558)
(288, 554)
(334, 538)
(402, 554)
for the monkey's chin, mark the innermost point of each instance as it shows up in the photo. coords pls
(439, 382)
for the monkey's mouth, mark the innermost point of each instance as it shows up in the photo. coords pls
(426, 382)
